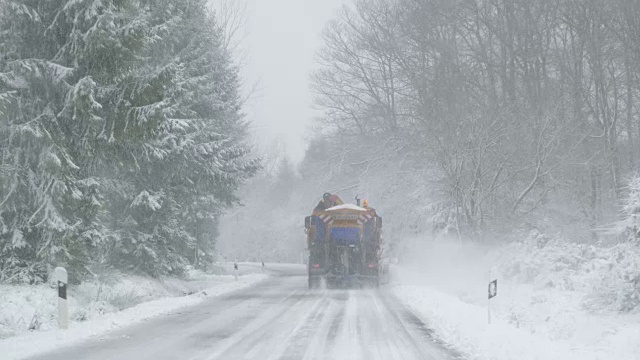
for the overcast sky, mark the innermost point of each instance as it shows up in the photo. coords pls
(282, 39)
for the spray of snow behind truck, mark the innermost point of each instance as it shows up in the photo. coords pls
(345, 247)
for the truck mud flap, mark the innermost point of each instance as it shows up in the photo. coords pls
(356, 281)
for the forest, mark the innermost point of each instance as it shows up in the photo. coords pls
(480, 119)
(519, 113)
(122, 137)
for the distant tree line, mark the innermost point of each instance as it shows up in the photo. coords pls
(516, 112)
(122, 138)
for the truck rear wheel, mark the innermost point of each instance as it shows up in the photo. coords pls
(314, 282)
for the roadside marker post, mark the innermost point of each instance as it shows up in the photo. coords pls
(63, 310)
(493, 291)
(235, 270)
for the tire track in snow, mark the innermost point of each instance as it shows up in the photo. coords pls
(410, 325)
(299, 339)
(249, 336)
(336, 324)
(286, 327)
(361, 324)
(347, 343)
(322, 339)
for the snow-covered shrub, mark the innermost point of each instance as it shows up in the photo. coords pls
(540, 261)
(609, 277)
(125, 299)
(631, 210)
(615, 279)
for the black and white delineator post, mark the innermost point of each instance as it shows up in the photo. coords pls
(235, 270)
(493, 291)
(63, 310)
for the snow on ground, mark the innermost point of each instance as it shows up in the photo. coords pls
(25, 306)
(536, 319)
(525, 325)
(94, 318)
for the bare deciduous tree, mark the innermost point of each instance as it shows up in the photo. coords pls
(518, 106)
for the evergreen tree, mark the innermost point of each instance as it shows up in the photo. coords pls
(284, 182)
(121, 136)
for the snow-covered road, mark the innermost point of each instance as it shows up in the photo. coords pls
(276, 319)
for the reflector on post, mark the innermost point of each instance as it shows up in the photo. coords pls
(493, 291)
(493, 288)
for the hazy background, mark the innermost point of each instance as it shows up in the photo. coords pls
(281, 38)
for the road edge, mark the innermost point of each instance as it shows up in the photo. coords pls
(34, 343)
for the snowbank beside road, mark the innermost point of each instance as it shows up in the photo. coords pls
(563, 335)
(555, 300)
(34, 306)
(31, 343)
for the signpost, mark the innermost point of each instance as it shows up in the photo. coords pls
(493, 291)
(63, 311)
(235, 270)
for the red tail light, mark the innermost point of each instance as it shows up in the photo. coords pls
(317, 266)
(371, 266)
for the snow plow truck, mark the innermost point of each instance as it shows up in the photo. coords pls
(345, 245)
